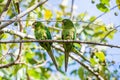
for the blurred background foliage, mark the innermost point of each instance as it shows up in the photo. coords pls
(37, 64)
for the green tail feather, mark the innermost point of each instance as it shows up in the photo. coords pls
(66, 60)
(53, 58)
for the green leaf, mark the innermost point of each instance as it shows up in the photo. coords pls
(100, 28)
(100, 55)
(106, 2)
(92, 61)
(34, 73)
(29, 54)
(118, 3)
(4, 36)
(60, 60)
(98, 34)
(92, 18)
(81, 73)
(102, 7)
(76, 45)
(111, 35)
(16, 69)
(4, 46)
(1, 1)
(48, 14)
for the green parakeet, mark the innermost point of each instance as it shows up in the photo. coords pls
(42, 33)
(68, 33)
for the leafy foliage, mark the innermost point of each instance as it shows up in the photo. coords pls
(37, 65)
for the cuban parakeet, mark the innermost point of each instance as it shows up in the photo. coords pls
(42, 33)
(68, 33)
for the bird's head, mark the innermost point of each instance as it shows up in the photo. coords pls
(37, 24)
(67, 23)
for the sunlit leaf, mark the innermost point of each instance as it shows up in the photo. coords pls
(92, 18)
(4, 36)
(4, 46)
(29, 54)
(100, 55)
(111, 35)
(34, 73)
(101, 28)
(47, 14)
(106, 2)
(93, 62)
(60, 60)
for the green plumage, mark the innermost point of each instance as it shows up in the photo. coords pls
(68, 33)
(42, 33)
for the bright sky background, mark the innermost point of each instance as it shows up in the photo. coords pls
(108, 18)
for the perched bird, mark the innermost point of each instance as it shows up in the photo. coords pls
(42, 33)
(68, 33)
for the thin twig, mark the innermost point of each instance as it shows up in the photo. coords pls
(21, 28)
(10, 64)
(22, 14)
(60, 41)
(98, 17)
(71, 12)
(40, 65)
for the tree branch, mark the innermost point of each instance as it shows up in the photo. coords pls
(32, 37)
(20, 34)
(10, 64)
(60, 41)
(21, 29)
(88, 68)
(22, 14)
